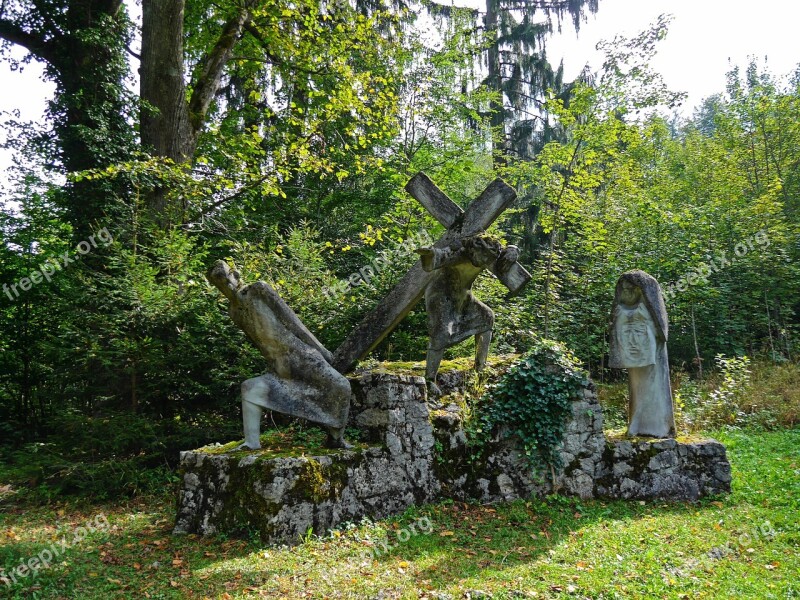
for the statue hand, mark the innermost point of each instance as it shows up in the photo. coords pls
(427, 256)
(508, 257)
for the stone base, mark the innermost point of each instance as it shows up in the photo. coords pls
(663, 469)
(417, 453)
(283, 498)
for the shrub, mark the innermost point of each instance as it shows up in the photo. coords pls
(532, 401)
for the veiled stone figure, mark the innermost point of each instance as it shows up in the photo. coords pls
(638, 343)
(454, 314)
(300, 381)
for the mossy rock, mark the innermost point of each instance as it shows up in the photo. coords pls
(281, 443)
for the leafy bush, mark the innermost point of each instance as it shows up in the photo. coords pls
(716, 406)
(110, 456)
(532, 401)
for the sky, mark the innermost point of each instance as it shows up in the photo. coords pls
(705, 38)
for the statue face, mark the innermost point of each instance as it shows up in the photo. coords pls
(630, 294)
(483, 258)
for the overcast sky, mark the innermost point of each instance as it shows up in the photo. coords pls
(705, 38)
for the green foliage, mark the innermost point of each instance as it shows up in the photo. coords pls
(532, 402)
(116, 455)
(740, 393)
(707, 408)
(629, 188)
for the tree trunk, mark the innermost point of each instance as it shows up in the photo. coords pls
(165, 126)
(497, 118)
(170, 124)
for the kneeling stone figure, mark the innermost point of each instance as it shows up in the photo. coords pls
(300, 381)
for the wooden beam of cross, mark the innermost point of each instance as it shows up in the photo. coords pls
(481, 213)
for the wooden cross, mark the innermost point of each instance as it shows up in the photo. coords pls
(481, 213)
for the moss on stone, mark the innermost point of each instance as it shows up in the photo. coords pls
(458, 364)
(311, 483)
(281, 443)
(618, 435)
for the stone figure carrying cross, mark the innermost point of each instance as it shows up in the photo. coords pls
(446, 272)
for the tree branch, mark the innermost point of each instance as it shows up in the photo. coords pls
(253, 30)
(132, 53)
(32, 42)
(212, 67)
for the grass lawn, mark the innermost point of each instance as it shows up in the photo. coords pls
(741, 546)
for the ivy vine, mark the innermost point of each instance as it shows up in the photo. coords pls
(532, 401)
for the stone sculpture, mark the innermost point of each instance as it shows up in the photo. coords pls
(454, 314)
(460, 225)
(300, 381)
(638, 343)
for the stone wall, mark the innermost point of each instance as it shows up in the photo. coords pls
(502, 473)
(416, 452)
(593, 466)
(286, 496)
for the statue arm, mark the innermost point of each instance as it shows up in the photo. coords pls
(288, 317)
(438, 258)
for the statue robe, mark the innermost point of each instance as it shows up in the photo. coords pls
(638, 343)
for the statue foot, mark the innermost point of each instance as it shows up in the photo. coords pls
(433, 390)
(246, 446)
(335, 441)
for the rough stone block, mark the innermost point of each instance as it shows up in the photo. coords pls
(283, 497)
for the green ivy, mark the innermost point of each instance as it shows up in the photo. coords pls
(532, 402)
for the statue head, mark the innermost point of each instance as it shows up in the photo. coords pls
(226, 280)
(482, 251)
(630, 294)
(636, 286)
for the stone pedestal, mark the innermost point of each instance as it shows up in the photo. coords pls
(413, 453)
(285, 497)
(663, 469)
